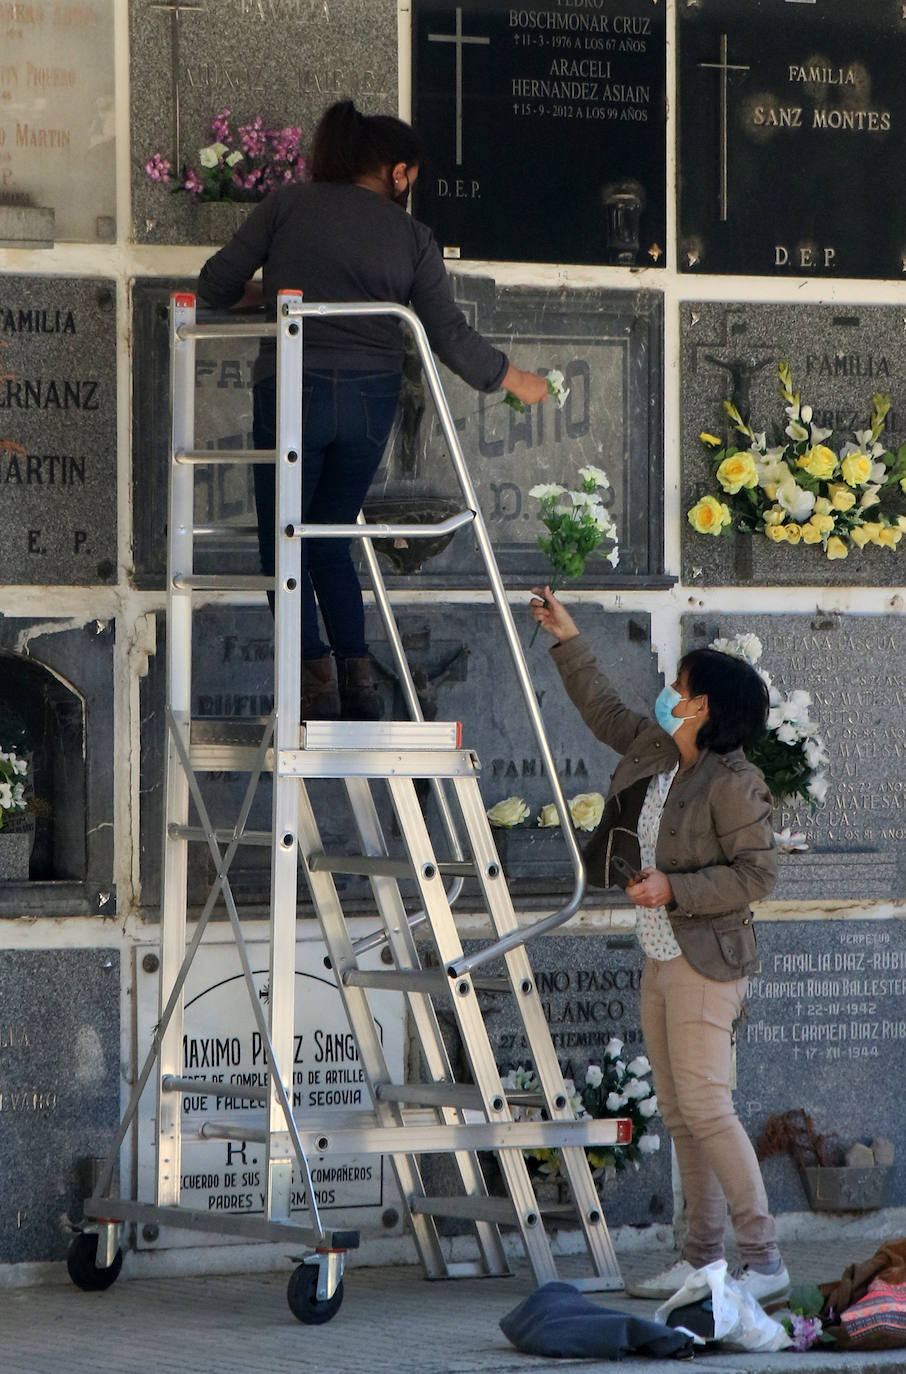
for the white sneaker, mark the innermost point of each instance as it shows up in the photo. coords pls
(663, 1285)
(774, 1288)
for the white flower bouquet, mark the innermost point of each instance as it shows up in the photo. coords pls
(789, 751)
(585, 809)
(802, 491)
(12, 787)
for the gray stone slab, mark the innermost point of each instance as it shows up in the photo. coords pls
(285, 60)
(459, 659)
(589, 988)
(824, 1031)
(56, 710)
(58, 467)
(57, 135)
(839, 357)
(59, 1090)
(607, 343)
(853, 667)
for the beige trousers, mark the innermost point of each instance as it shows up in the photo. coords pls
(686, 1024)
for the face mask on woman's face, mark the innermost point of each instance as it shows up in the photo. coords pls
(667, 698)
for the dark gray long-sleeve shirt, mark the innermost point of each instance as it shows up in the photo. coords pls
(340, 242)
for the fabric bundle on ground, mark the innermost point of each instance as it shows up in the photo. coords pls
(869, 1301)
(560, 1322)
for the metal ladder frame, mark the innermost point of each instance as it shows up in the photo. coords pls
(443, 1126)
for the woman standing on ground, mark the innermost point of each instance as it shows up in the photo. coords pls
(689, 818)
(346, 236)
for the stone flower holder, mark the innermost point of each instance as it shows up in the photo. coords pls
(26, 226)
(16, 840)
(218, 220)
(843, 1189)
(532, 851)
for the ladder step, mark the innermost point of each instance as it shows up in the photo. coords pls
(381, 734)
(430, 981)
(194, 832)
(191, 1087)
(377, 763)
(381, 866)
(464, 1095)
(227, 1130)
(223, 582)
(442, 1139)
(500, 1210)
(225, 455)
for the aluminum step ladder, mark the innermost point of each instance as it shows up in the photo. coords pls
(407, 1120)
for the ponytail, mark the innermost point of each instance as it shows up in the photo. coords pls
(348, 144)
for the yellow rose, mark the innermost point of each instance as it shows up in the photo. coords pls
(811, 534)
(776, 533)
(873, 529)
(889, 537)
(586, 810)
(836, 548)
(776, 516)
(856, 469)
(711, 439)
(793, 533)
(509, 812)
(708, 516)
(859, 535)
(822, 506)
(737, 471)
(770, 491)
(824, 523)
(903, 485)
(548, 815)
(901, 521)
(820, 461)
(842, 498)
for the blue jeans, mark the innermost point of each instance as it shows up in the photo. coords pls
(346, 419)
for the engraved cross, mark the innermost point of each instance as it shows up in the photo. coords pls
(724, 67)
(175, 10)
(458, 38)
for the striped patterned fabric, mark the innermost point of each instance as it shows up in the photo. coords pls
(877, 1321)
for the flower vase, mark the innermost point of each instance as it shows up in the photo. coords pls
(16, 840)
(842, 1189)
(218, 220)
(532, 851)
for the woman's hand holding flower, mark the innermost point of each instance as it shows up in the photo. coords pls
(552, 615)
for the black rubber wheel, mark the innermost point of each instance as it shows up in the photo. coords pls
(302, 1296)
(82, 1266)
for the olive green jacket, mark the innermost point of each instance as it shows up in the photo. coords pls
(716, 842)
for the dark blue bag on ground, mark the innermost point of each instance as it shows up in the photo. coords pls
(560, 1322)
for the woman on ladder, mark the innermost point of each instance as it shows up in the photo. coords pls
(346, 236)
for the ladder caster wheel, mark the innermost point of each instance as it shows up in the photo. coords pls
(83, 1269)
(302, 1296)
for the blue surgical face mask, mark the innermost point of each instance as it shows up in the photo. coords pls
(667, 698)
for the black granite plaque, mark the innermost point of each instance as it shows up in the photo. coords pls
(608, 344)
(824, 1030)
(839, 357)
(59, 1090)
(58, 430)
(790, 116)
(284, 61)
(853, 667)
(461, 667)
(545, 129)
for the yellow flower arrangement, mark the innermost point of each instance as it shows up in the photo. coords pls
(801, 490)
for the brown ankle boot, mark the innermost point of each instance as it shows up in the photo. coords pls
(359, 699)
(320, 699)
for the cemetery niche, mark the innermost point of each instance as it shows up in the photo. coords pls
(839, 358)
(461, 670)
(278, 61)
(781, 103)
(608, 344)
(576, 96)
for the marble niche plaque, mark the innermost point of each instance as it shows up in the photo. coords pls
(589, 987)
(57, 132)
(282, 60)
(824, 1030)
(545, 128)
(221, 1042)
(58, 431)
(608, 344)
(783, 104)
(59, 1091)
(853, 666)
(839, 357)
(462, 671)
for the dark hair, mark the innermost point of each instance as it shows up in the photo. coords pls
(738, 700)
(348, 144)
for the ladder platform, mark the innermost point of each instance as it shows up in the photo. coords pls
(442, 1139)
(381, 734)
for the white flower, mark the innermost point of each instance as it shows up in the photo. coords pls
(613, 1047)
(509, 812)
(745, 646)
(593, 1076)
(819, 434)
(586, 810)
(638, 1088)
(815, 753)
(596, 475)
(797, 704)
(556, 387)
(771, 468)
(789, 841)
(546, 491)
(878, 473)
(817, 788)
(613, 557)
(210, 156)
(869, 498)
(805, 414)
(586, 499)
(775, 717)
(787, 733)
(233, 158)
(795, 430)
(6, 796)
(795, 499)
(648, 1107)
(639, 1066)
(616, 1102)
(604, 522)
(548, 816)
(649, 1143)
